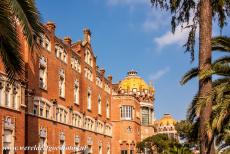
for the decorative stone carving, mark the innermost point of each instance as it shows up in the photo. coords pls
(8, 124)
(43, 133)
(89, 141)
(77, 139)
(62, 136)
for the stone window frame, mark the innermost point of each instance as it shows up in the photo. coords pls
(14, 94)
(89, 99)
(43, 65)
(62, 83)
(107, 109)
(9, 124)
(77, 119)
(37, 101)
(61, 53)
(99, 104)
(88, 57)
(64, 114)
(76, 93)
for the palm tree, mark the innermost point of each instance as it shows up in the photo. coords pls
(201, 13)
(15, 14)
(220, 96)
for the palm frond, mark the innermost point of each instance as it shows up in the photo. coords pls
(222, 60)
(189, 75)
(221, 43)
(9, 44)
(29, 19)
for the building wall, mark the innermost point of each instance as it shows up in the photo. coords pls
(51, 95)
(126, 133)
(45, 118)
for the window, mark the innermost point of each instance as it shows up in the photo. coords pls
(41, 111)
(90, 150)
(75, 64)
(100, 149)
(89, 100)
(44, 42)
(42, 145)
(61, 115)
(14, 98)
(1, 87)
(41, 108)
(76, 92)
(7, 142)
(47, 111)
(62, 83)
(35, 109)
(76, 120)
(88, 74)
(126, 112)
(99, 105)
(145, 116)
(108, 150)
(7, 95)
(43, 73)
(124, 152)
(76, 142)
(62, 147)
(43, 141)
(88, 58)
(61, 53)
(89, 124)
(107, 109)
(8, 139)
(98, 82)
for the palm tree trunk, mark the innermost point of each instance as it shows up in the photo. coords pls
(205, 86)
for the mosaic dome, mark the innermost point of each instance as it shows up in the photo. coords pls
(167, 119)
(133, 82)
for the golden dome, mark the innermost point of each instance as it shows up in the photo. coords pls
(167, 119)
(132, 82)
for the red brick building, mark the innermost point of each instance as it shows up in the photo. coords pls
(63, 99)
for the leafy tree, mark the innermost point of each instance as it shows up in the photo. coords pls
(162, 144)
(187, 132)
(12, 14)
(199, 13)
(179, 149)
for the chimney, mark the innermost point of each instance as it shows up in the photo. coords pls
(110, 78)
(51, 26)
(102, 71)
(67, 41)
(87, 35)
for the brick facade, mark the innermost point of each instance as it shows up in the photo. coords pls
(65, 99)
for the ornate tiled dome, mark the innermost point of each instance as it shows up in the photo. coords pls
(167, 119)
(134, 83)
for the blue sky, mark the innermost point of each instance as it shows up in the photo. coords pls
(130, 34)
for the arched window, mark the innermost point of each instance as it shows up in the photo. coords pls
(43, 141)
(89, 99)
(76, 92)
(99, 105)
(8, 136)
(7, 95)
(43, 72)
(62, 83)
(107, 109)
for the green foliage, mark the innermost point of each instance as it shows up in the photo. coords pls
(185, 130)
(219, 125)
(185, 13)
(162, 144)
(12, 13)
